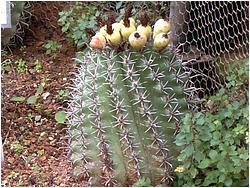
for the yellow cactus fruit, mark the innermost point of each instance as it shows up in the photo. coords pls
(145, 30)
(161, 26)
(103, 30)
(101, 35)
(126, 31)
(161, 41)
(137, 40)
(98, 41)
(131, 21)
(115, 27)
(115, 38)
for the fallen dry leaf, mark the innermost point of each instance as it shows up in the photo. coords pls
(45, 95)
(11, 160)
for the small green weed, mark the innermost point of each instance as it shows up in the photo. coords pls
(29, 116)
(20, 183)
(21, 65)
(38, 66)
(22, 51)
(17, 99)
(62, 93)
(22, 48)
(40, 152)
(47, 114)
(32, 99)
(17, 147)
(38, 170)
(52, 46)
(38, 106)
(13, 175)
(143, 182)
(4, 54)
(6, 65)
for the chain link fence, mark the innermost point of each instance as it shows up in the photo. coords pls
(209, 36)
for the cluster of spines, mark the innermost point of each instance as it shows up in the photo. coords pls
(76, 119)
(169, 99)
(141, 98)
(129, 149)
(107, 164)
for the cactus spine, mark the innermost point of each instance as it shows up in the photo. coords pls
(124, 111)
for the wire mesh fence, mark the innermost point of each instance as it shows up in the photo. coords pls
(210, 35)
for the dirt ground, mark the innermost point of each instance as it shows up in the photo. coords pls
(35, 145)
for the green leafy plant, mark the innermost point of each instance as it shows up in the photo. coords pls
(143, 182)
(38, 66)
(76, 20)
(20, 183)
(17, 99)
(38, 106)
(47, 114)
(29, 116)
(62, 94)
(38, 171)
(40, 152)
(6, 65)
(17, 147)
(21, 65)
(52, 46)
(22, 48)
(32, 99)
(214, 146)
(13, 175)
(4, 54)
(60, 117)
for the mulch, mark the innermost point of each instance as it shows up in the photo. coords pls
(35, 148)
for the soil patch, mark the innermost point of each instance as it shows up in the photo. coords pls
(35, 145)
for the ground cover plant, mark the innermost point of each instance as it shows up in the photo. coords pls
(77, 20)
(216, 143)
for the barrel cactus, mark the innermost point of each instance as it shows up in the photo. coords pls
(123, 114)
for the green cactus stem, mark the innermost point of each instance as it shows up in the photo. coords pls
(124, 111)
